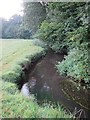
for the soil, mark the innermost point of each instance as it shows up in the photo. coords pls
(48, 83)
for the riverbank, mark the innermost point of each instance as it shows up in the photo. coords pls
(14, 104)
(49, 86)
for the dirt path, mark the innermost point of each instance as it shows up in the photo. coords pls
(48, 82)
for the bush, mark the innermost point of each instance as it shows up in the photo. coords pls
(77, 38)
(53, 34)
(39, 43)
(76, 65)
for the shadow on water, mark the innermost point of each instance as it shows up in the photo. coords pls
(44, 83)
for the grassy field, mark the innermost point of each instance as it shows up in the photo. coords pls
(14, 51)
(14, 104)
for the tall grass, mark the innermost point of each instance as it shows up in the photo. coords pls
(15, 105)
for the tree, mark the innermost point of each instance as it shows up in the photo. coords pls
(34, 14)
(10, 27)
(66, 27)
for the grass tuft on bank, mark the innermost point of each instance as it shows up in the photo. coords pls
(15, 105)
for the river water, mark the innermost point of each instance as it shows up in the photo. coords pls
(44, 82)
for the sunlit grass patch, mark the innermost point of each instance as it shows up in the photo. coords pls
(15, 50)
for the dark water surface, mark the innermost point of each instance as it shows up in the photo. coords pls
(47, 83)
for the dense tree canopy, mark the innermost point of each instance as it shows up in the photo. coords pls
(34, 14)
(10, 28)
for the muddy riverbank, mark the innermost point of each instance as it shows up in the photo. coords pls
(47, 86)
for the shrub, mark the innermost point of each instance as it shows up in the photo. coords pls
(77, 38)
(39, 43)
(76, 65)
(53, 34)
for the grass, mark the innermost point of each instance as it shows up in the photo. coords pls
(14, 104)
(15, 50)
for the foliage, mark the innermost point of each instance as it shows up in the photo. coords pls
(76, 65)
(40, 43)
(34, 14)
(14, 28)
(53, 34)
(10, 27)
(23, 32)
(78, 38)
(66, 27)
(63, 19)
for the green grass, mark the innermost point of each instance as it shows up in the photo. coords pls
(15, 50)
(14, 104)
